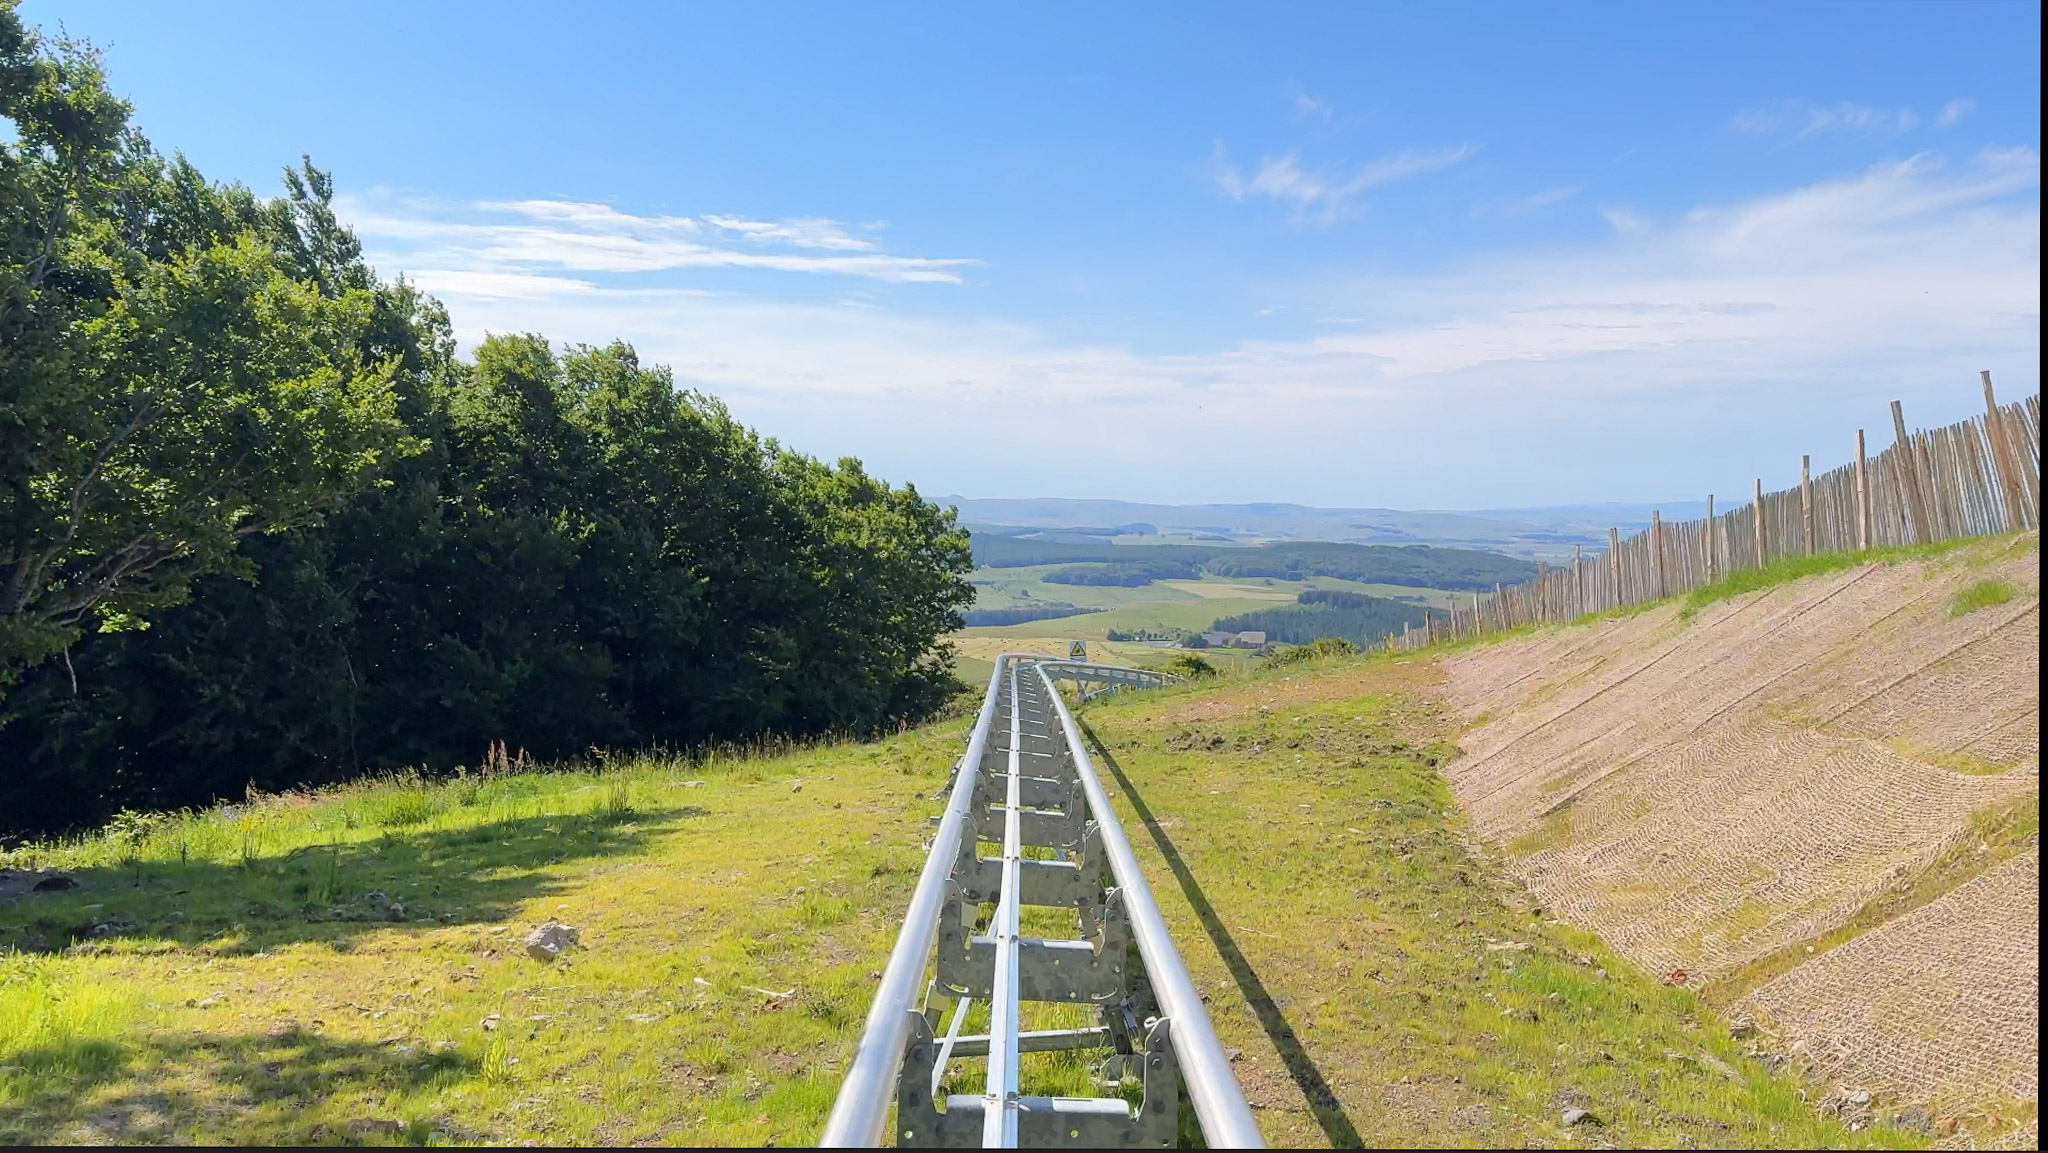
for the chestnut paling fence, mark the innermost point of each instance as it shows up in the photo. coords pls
(1982, 475)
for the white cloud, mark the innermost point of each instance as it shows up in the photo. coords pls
(1671, 359)
(1282, 178)
(501, 238)
(1953, 111)
(1803, 119)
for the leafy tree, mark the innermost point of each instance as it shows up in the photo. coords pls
(174, 375)
(283, 535)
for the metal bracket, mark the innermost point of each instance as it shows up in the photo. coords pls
(1043, 1122)
(1069, 884)
(1090, 971)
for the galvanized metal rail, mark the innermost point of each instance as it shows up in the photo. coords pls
(1027, 782)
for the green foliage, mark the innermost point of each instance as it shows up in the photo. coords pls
(1981, 595)
(185, 366)
(979, 618)
(1416, 566)
(1359, 619)
(1190, 666)
(1124, 574)
(1317, 650)
(1786, 569)
(318, 545)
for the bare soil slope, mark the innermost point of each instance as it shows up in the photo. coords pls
(1784, 798)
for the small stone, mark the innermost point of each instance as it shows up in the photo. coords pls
(1859, 1097)
(551, 940)
(1232, 1054)
(373, 1126)
(1577, 1116)
(797, 788)
(1742, 1027)
(489, 1024)
(693, 784)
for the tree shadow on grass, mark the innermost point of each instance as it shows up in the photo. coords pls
(400, 880)
(242, 1088)
(1329, 1111)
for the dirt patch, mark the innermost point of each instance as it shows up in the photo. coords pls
(1705, 791)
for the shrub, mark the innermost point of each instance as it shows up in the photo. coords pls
(1317, 650)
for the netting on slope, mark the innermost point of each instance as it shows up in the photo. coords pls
(1948, 996)
(1706, 793)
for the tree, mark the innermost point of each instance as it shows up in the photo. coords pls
(175, 372)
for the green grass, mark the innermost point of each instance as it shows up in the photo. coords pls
(1788, 569)
(239, 975)
(1310, 854)
(234, 976)
(1981, 595)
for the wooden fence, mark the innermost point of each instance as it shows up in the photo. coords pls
(1980, 476)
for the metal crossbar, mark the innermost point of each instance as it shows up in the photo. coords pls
(1027, 783)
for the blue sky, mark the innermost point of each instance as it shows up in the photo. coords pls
(1420, 256)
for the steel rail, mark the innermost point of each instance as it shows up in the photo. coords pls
(1205, 1069)
(862, 1106)
(1000, 1104)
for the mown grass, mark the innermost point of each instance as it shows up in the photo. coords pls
(270, 973)
(1384, 980)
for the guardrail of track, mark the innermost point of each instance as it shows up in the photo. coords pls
(1026, 781)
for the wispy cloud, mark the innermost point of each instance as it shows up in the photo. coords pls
(1528, 205)
(1308, 107)
(526, 238)
(1329, 189)
(1953, 111)
(1802, 119)
(1641, 360)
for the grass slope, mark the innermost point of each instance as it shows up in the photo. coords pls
(1383, 981)
(232, 976)
(247, 987)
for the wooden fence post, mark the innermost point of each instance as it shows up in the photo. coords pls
(1806, 502)
(2002, 459)
(1578, 582)
(1614, 565)
(1475, 614)
(1762, 557)
(1862, 496)
(1657, 549)
(1710, 538)
(1908, 466)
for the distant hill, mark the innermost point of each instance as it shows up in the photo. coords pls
(1131, 565)
(1534, 533)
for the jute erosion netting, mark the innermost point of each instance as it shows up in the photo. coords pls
(1949, 995)
(1705, 793)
